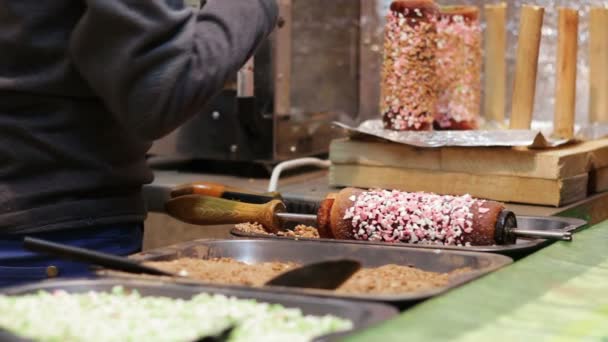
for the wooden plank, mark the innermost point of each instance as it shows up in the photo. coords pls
(346, 151)
(598, 157)
(500, 188)
(514, 162)
(598, 180)
(314, 186)
(557, 163)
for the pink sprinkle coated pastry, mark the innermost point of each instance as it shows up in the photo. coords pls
(424, 218)
(459, 63)
(409, 78)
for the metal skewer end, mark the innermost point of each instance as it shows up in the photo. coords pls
(542, 234)
(307, 219)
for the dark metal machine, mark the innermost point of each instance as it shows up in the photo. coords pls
(323, 64)
(281, 104)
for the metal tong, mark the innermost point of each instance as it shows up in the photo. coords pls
(327, 275)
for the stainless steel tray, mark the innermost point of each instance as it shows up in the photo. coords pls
(521, 248)
(257, 251)
(361, 314)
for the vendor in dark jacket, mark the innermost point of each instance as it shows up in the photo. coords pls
(85, 87)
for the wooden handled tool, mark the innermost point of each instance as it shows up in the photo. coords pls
(92, 257)
(205, 210)
(243, 195)
(524, 88)
(565, 90)
(598, 65)
(327, 275)
(218, 190)
(210, 211)
(495, 62)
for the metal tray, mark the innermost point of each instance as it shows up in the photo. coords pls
(257, 251)
(519, 249)
(362, 315)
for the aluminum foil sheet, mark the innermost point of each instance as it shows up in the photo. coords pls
(582, 132)
(537, 137)
(592, 132)
(479, 138)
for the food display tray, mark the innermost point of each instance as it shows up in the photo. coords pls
(362, 315)
(520, 248)
(259, 251)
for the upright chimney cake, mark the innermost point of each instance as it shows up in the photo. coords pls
(459, 63)
(409, 77)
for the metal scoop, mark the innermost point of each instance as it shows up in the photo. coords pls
(326, 275)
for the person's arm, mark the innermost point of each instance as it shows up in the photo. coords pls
(155, 63)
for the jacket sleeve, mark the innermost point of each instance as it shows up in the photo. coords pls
(155, 63)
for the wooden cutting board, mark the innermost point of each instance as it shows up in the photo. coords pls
(547, 177)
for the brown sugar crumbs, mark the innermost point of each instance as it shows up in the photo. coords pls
(388, 279)
(252, 228)
(301, 231)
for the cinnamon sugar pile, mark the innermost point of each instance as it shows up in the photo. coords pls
(252, 228)
(301, 231)
(388, 279)
(224, 270)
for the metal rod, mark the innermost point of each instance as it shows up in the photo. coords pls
(300, 218)
(89, 256)
(543, 234)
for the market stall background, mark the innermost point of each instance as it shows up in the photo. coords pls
(545, 84)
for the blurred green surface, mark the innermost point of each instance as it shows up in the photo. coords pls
(556, 294)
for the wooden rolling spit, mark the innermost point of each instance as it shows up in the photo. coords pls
(375, 215)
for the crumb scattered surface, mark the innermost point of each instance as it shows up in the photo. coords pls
(301, 231)
(385, 280)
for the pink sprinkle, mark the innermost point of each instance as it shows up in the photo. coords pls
(408, 98)
(483, 210)
(394, 216)
(460, 58)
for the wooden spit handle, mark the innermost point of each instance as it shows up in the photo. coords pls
(204, 210)
(495, 62)
(524, 88)
(199, 188)
(598, 65)
(213, 190)
(565, 89)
